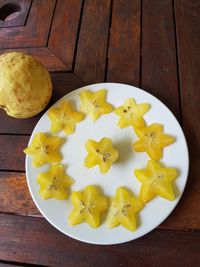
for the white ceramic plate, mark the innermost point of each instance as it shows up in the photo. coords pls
(120, 174)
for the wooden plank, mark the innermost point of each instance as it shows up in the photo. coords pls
(18, 18)
(159, 67)
(11, 152)
(33, 34)
(188, 41)
(10, 125)
(14, 195)
(92, 45)
(8, 264)
(15, 198)
(62, 40)
(63, 83)
(44, 55)
(186, 215)
(35, 241)
(124, 44)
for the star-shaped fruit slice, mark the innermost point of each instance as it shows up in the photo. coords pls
(100, 153)
(131, 114)
(54, 183)
(123, 208)
(152, 140)
(44, 149)
(156, 180)
(94, 103)
(88, 205)
(63, 117)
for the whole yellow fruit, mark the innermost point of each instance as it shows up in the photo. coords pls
(25, 85)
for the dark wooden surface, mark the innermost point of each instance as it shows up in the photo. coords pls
(152, 44)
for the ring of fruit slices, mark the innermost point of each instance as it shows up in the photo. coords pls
(88, 204)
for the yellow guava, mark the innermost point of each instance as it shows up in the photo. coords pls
(25, 85)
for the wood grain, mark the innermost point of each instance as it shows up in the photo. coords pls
(14, 195)
(33, 35)
(124, 44)
(11, 152)
(54, 42)
(186, 215)
(92, 44)
(15, 198)
(21, 16)
(44, 55)
(8, 264)
(64, 30)
(35, 241)
(159, 67)
(188, 41)
(63, 83)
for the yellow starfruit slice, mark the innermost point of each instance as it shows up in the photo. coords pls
(54, 183)
(63, 117)
(131, 114)
(100, 153)
(44, 149)
(152, 140)
(123, 208)
(156, 180)
(94, 103)
(87, 206)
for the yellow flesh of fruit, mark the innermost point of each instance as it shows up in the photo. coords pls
(100, 153)
(54, 183)
(156, 180)
(152, 141)
(64, 118)
(123, 209)
(87, 206)
(44, 149)
(94, 103)
(131, 114)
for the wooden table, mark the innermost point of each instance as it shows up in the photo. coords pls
(152, 44)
